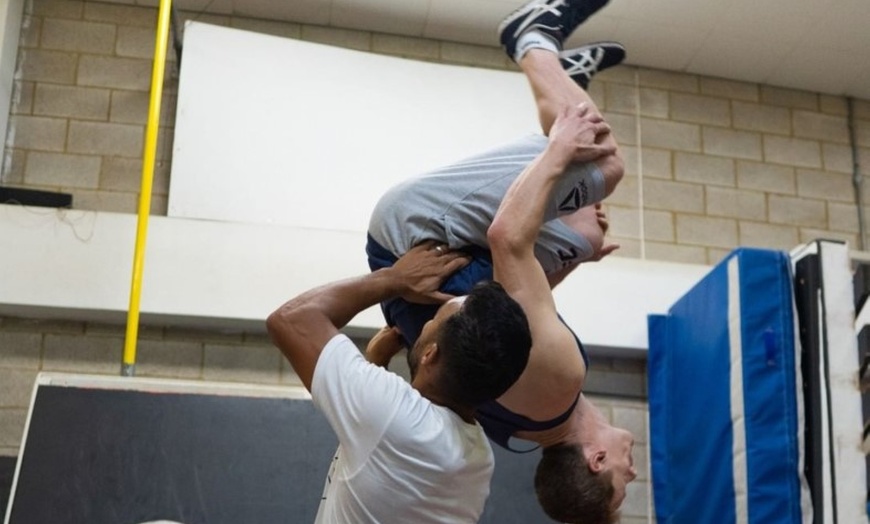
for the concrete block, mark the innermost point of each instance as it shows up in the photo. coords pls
(700, 109)
(138, 42)
(670, 135)
(114, 72)
(735, 144)
(766, 177)
(38, 65)
(45, 169)
(792, 151)
(16, 387)
(95, 138)
(764, 118)
(689, 167)
(169, 358)
(57, 8)
(819, 126)
(82, 103)
(836, 157)
(658, 226)
(768, 236)
(673, 252)
(20, 350)
(797, 211)
(405, 46)
(22, 98)
(669, 81)
(130, 107)
(842, 217)
(474, 55)
(833, 105)
(624, 221)
(12, 422)
(731, 89)
(119, 14)
(36, 132)
(673, 196)
(706, 231)
(736, 203)
(78, 36)
(779, 96)
(237, 363)
(80, 354)
(836, 187)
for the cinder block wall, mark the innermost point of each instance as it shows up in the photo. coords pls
(712, 164)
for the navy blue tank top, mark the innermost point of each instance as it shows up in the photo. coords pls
(500, 423)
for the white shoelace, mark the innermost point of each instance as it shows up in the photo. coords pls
(586, 62)
(537, 11)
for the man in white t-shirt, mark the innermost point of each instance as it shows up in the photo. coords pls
(408, 452)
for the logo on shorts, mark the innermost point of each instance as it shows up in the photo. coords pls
(577, 198)
(566, 257)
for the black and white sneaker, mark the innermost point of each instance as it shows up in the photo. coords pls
(556, 19)
(583, 62)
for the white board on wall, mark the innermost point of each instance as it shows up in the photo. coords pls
(280, 131)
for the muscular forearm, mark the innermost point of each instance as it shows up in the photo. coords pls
(383, 346)
(301, 327)
(573, 138)
(338, 302)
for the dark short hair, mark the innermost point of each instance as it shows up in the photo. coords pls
(569, 491)
(485, 346)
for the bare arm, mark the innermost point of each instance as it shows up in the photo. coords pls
(302, 326)
(383, 346)
(518, 221)
(512, 237)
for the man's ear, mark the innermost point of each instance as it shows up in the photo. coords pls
(430, 354)
(597, 461)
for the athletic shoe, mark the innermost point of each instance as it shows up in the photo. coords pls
(556, 19)
(583, 62)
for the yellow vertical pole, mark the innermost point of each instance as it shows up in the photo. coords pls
(150, 151)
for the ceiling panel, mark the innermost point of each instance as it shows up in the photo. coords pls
(699, 14)
(386, 16)
(658, 46)
(818, 69)
(846, 28)
(737, 59)
(596, 29)
(817, 45)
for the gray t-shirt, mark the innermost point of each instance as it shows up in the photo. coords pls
(456, 204)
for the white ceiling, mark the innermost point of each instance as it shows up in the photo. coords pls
(814, 45)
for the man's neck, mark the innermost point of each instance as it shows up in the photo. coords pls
(581, 427)
(466, 413)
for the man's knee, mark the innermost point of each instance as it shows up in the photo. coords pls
(613, 169)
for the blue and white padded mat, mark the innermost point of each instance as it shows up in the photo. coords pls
(725, 428)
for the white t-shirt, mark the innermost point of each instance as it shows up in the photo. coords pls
(400, 457)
